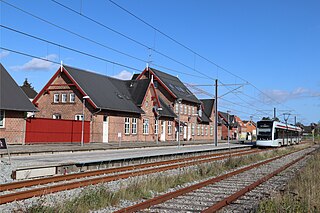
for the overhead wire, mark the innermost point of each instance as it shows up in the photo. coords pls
(191, 50)
(95, 42)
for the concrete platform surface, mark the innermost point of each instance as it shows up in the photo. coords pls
(64, 158)
(75, 147)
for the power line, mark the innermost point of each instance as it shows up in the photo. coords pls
(130, 39)
(93, 41)
(189, 49)
(69, 48)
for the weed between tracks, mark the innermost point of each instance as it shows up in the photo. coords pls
(99, 197)
(302, 193)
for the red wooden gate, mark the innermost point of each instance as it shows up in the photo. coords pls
(44, 130)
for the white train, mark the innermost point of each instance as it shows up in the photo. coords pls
(274, 134)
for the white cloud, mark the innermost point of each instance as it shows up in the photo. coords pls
(38, 64)
(283, 95)
(123, 75)
(4, 54)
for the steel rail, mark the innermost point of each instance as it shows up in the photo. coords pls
(243, 191)
(34, 182)
(6, 198)
(168, 196)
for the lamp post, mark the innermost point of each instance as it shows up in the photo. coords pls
(157, 120)
(286, 117)
(179, 100)
(251, 128)
(82, 127)
(228, 129)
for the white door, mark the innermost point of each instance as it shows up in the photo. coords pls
(105, 129)
(163, 131)
(185, 133)
(189, 132)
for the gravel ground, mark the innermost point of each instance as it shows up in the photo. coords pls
(6, 171)
(54, 199)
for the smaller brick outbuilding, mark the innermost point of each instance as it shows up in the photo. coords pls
(14, 105)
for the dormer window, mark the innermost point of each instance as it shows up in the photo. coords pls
(200, 112)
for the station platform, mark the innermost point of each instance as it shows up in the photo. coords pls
(36, 162)
(52, 148)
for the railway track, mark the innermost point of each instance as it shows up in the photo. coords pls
(30, 188)
(216, 193)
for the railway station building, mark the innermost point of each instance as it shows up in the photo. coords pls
(149, 107)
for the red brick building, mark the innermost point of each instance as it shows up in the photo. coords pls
(14, 105)
(146, 108)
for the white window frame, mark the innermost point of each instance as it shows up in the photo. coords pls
(177, 108)
(206, 130)
(202, 130)
(185, 109)
(126, 125)
(56, 98)
(3, 116)
(192, 108)
(134, 126)
(56, 116)
(72, 97)
(181, 108)
(146, 126)
(198, 130)
(78, 117)
(181, 130)
(169, 127)
(211, 130)
(64, 98)
(192, 129)
(156, 126)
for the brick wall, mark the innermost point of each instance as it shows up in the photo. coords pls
(67, 110)
(14, 129)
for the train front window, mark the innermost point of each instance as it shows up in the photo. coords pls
(264, 130)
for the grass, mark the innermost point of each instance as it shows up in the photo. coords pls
(98, 197)
(302, 193)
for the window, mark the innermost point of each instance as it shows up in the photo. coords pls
(192, 129)
(185, 109)
(126, 126)
(64, 98)
(192, 110)
(169, 127)
(181, 130)
(156, 122)
(145, 126)
(206, 130)
(56, 98)
(134, 126)
(1, 118)
(72, 98)
(181, 108)
(78, 117)
(189, 110)
(202, 133)
(163, 124)
(177, 108)
(198, 130)
(56, 116)
(211, 130)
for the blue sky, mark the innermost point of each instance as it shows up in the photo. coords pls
(273, 45)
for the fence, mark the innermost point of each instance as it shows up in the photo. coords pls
(43, 130)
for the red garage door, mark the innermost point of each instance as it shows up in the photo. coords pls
(43, 130)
